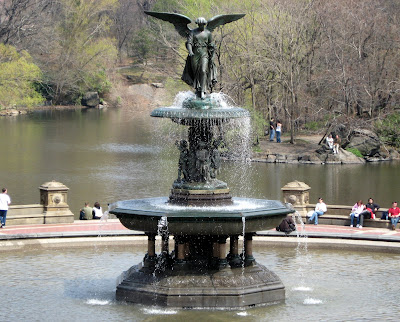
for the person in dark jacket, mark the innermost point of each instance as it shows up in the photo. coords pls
(370, 211)
(287, 225)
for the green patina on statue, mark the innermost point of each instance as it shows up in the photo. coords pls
(200, 71)
(200, 159)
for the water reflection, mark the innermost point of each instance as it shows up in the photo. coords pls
(116, 154)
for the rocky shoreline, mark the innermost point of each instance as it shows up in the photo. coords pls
(307, 151)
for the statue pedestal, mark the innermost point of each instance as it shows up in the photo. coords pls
(228, 288)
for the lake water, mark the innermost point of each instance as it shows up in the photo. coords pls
(116, 154)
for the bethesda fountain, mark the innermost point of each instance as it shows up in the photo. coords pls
(194, 268)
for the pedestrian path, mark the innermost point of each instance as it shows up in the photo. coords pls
(113, 227)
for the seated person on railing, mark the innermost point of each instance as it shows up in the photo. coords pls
(357, 209)
(86, 212)
(320, 209)
(369, 212)
(394, 214)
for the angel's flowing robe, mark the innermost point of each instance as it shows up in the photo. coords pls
(200, 71)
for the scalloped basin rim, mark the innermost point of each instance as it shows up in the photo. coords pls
(212, 113)
(146, 208)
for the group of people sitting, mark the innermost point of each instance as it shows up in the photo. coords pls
(360, 212)
(333, 143)
(89, 213)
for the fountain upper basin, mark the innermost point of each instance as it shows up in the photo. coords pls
(144, 215)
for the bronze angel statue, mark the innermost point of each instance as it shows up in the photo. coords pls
(200, 71)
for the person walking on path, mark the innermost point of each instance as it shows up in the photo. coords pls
(278, 131)
(320, 209)
(271, 129)
(5, 201)
(394, 214)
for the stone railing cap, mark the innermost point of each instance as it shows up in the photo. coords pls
(53, 185)
(296, 185)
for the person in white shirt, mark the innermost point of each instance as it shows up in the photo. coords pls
(357, 209)
(97, 211)
(329, 141)
(4, 203)
(320, 209)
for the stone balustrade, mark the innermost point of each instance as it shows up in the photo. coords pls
(298, 194)
(53, 207)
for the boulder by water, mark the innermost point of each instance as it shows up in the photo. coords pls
(90, 99)
(366, 141)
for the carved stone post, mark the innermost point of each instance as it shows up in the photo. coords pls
(53, 197)
(298, 194)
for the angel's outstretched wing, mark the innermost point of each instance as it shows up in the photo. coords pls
(220, 20)
(179, 21)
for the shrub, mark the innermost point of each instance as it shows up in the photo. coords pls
(355, 151)
(18, 77)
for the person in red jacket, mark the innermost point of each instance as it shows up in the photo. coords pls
(394, 214)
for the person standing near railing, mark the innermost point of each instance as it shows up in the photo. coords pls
(5, 201)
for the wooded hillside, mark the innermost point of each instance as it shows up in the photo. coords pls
(305, 62)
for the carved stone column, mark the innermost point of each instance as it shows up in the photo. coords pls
(53, 197)
(298, 194)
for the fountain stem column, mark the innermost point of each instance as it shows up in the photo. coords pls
(222, 262)
(151, 245)
(165, 244)
(215, 254)
(180, 256)
(248, 250)
(149, 261)
(234, 258)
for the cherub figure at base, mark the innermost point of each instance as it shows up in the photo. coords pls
(203, 162)
(183, 161)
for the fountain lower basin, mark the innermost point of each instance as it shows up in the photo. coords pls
(244, 215)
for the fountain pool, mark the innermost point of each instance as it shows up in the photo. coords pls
(79, 284)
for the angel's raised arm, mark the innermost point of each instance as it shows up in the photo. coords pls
(179, 21)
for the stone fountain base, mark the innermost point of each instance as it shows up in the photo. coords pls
(227, 288)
